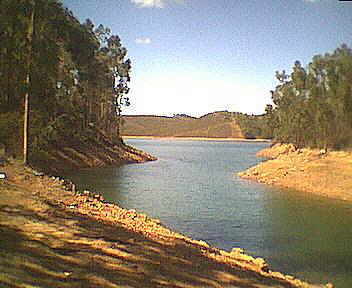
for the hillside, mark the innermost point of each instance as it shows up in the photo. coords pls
(212, 125)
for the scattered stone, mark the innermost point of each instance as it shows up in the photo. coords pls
(98, 197)
(262, 264)
(236, 251)
(36, 173)
(203, 243)
(156, 221)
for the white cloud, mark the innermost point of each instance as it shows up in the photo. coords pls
(144, 41)
(154, 3)
(311, 1)
(149, 3)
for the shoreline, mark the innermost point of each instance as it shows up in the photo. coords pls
(327, 174)
(181, 138)
(91, 153)
(65, 230)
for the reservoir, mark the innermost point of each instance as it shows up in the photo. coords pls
(193, 189)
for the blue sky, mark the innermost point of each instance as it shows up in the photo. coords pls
(200, 56)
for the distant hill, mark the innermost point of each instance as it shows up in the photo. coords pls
(212, 125)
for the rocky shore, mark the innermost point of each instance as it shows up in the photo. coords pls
(325, 173)
(52, 236)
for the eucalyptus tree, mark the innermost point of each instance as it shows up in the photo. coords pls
(113, 55)
(15, 57)
(78, 76)
(313, 106)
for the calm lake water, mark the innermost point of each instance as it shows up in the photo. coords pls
(193, 189)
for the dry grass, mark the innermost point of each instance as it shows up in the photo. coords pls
(213, 125)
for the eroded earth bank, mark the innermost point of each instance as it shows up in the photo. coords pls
(326, 173)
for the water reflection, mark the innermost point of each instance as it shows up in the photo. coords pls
(310, 236)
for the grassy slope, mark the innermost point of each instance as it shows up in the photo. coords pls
(213, 125)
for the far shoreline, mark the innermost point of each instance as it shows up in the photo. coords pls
(315, 171)
(181, 138)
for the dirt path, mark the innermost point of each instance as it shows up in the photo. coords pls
(315, 171)
(52, 237)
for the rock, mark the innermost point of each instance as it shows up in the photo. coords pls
(203, 243)
(262, 264)
(156, 221)
(36, 173)
(98, 197)
(236, 251)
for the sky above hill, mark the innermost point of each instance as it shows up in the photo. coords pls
(200, 56)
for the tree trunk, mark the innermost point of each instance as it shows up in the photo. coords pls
(27, 83)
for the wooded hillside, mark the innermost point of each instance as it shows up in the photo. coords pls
(74, 74)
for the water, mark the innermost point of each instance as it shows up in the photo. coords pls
(193, 189)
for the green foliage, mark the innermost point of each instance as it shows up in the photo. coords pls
(78, 76)
(10, 132)
(313, 106)
(253, 126)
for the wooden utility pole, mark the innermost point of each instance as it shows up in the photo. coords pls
(29, 45)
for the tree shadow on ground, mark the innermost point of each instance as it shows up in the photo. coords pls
(62, 248)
